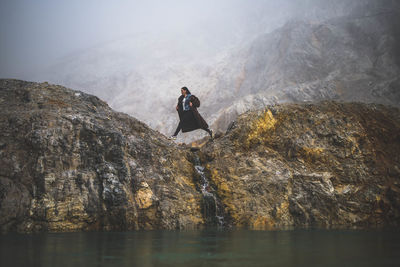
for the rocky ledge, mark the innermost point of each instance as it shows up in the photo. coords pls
(69, 162)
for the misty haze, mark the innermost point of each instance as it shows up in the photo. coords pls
(235, 55)
(299, 133)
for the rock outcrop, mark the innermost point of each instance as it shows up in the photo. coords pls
(325, 164)
(69, 162)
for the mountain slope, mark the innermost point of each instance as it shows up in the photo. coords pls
(352, 58)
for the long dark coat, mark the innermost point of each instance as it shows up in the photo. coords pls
(191, 120)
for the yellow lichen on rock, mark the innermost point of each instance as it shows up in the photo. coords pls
(262, 223)
(312, 154)
(144, 196)
(63, 215)
(354, 145)
(261, 126)
(226, 195)
(221, 183)
(282, 211)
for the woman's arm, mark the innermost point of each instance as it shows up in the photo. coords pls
(194, 102)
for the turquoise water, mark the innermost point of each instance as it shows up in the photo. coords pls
(203, 248)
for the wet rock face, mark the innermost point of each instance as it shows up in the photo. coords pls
(323, 164)
(69, 162)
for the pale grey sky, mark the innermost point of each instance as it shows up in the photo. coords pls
(35, 33)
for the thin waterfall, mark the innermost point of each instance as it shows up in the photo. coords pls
(212, 208)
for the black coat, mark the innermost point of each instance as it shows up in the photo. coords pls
(191, 120)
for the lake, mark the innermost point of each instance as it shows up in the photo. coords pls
(203, 248)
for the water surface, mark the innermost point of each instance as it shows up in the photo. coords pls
(203, 248)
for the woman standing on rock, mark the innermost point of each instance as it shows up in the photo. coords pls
(189, 118)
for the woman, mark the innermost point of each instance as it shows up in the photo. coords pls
(189, 118)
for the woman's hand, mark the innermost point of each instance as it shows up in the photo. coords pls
(177, 107)
(191, 104)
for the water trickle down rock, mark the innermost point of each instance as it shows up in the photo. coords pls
(212, 209)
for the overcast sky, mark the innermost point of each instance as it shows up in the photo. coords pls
(36, 32)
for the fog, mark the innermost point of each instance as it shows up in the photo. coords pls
(235, 55)
(36, 33)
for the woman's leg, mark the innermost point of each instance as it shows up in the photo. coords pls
(208, 131)
(178, 129)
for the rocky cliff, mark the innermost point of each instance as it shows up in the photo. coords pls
(325, 164)
(69, 162)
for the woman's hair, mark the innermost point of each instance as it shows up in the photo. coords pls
(187, 90)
